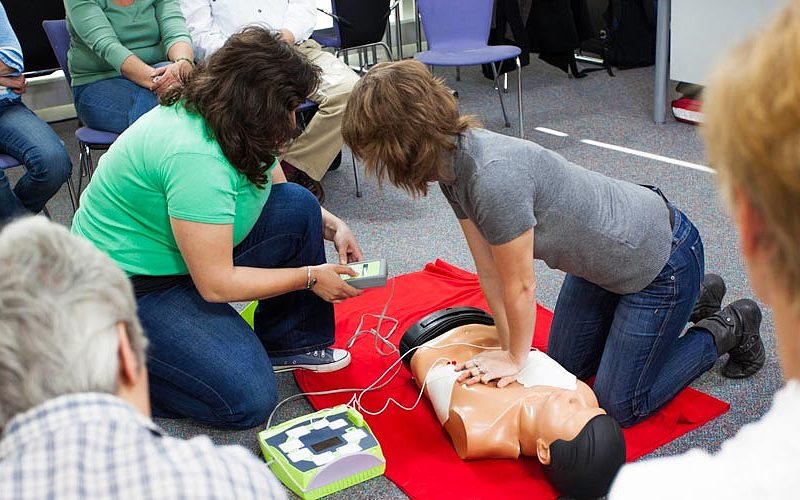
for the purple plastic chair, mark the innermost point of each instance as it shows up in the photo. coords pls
(462, 40)
(8, 161)
(89, 139)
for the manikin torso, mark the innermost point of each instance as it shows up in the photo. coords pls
(484, 421)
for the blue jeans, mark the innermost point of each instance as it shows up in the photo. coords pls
(204, 361)
(633, 343)
(112, 104)
(33, 143)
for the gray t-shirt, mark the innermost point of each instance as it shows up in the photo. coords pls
(612, 233)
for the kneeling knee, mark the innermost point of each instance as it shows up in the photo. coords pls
(251, 411)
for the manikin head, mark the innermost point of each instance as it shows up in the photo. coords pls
(68, 322)
(752, 135)
(579, 446)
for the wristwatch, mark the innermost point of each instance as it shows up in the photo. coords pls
(310, 282)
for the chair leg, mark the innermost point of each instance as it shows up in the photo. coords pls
(89, 163)
(399, 33)
(84, 171)
(500, 94)
(356, 174)
(519, 97)
(458, 73)
(73, 195)
(388, 50)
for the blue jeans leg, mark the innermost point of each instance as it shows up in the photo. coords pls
(289, 234)
(30, 140)
(204, 361)
(112, 104)
(645, 360)
(583, 316)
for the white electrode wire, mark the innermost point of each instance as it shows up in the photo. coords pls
(355, 401)
(376, 332)
(373, 386)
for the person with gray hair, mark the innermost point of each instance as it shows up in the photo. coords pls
(74, 400)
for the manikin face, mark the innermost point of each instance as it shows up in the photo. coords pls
(565, 413)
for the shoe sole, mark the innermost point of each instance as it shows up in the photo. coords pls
(327, 367)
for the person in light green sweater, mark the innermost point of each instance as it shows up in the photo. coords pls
(123, 54)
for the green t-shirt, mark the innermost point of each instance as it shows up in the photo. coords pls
(165, 165)
(104, 34)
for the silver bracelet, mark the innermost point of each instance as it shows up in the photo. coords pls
(310, 282)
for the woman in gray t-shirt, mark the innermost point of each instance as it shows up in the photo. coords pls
(634, 262)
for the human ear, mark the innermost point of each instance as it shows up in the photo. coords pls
(750, 225)
(543, 451)
(129, 369)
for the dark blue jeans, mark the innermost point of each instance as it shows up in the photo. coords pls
(112, 104)
(204, 361)
(633, 343)
(33, 143)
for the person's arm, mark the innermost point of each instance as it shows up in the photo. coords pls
(487, 276)
(334, 229)
(301, 17)
(207, 250)
(11, 62)
(500, 197)
(176, 41)
(207, 37)
(165, 77)
(92, 26)
(508, 282)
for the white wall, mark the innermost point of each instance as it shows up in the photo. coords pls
(702, 30)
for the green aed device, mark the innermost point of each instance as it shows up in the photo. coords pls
(371, 274)
(322, 453)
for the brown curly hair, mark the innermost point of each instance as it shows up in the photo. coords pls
(246, 92)
(403, 124)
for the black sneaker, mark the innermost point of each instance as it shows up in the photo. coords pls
(712, 290)
(318, 360)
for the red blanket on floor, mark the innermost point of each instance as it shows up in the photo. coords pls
(419, 456)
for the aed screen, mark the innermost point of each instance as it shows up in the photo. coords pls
(367, 268)
(327, 444)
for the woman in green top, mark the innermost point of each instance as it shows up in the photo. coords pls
(116, 55)
(192, 204)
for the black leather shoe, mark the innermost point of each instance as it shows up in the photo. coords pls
(736, 331)
(712, 290)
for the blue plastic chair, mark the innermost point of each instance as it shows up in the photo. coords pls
(89, 139)
(8, 161)
(462, 40)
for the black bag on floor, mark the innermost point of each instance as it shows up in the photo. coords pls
(631, 34)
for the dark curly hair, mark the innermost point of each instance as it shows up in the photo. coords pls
(246, 92)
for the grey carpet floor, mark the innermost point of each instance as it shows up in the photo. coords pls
(409, 233)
